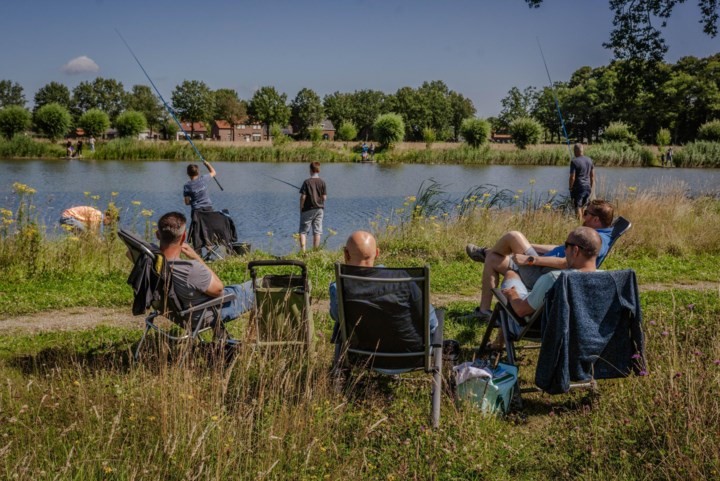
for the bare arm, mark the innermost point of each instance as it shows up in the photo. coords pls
(187, 200)
(592, 179)
(302, 200)
(572, 180)
(520, 306)
(540, 261)
(210, 168)
(215, 289)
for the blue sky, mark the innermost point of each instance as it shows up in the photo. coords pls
(480, 48)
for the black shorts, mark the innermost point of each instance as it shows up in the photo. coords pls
(580, 198)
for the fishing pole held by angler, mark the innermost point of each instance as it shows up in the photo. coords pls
(557, 101)
(167, 107)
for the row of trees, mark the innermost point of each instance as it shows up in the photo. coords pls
(645, 95)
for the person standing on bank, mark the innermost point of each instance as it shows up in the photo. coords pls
(582, 180)
(195, 190)
(312, 204)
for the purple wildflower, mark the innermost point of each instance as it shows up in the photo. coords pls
(665, 333)
(636, 356)
(643, 373)
(716, 362)
(652, 323)
(691, 307)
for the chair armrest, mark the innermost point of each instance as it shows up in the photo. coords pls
(503, 301)
(218, 301)
(436, 338)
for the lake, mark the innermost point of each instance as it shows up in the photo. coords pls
(266, 209)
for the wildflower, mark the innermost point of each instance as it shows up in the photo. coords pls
(76, 382)
(412, 198)
(698, 353)
(643, 373)
(332, 232)
(516, 197)
(716, 362)
(652, 323)
(486, 194)
(547, 206)
(691, 307)
(269, 233)
(214, 418)
(296, 236)
(8, 221)
(74, 238)
(23, 188)
(113, 194)
(532, 182)
(635, 356)
(677, 375)
(86, 193)
(5, 213)
(552, 191)
(151, 418)
(95, 197)
(632, 188)
(399, 211)
(107, 469)
(135, 202)
(665, 333)
(520, 191)
(146, 213)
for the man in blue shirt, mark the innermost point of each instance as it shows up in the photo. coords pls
(513, 252)
(195, 191)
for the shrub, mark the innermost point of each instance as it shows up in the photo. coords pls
(698, 154)
(619, 132)
(389, 129)
(130, 123)
(710, 131)
(429, 136)
(663, 138)
(475, 131)
(94, 122)
(277, 135)
(53, 121)
(316, 133)
(14, 120)
(347, 131)
(525, 131)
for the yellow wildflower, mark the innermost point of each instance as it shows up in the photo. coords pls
(553, 191)
(532, 182)
(632, 188)
(135, 202)
(146, 213)
(269, 233)
(6, 212)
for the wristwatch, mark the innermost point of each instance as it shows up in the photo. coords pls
(531, 260)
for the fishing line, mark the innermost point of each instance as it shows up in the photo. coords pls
(557, 102)
(165, 104)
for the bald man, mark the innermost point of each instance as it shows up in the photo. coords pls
(361, 250)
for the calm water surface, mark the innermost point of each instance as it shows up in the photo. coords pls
(260, 205)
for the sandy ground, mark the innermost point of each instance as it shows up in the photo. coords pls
(90, 317)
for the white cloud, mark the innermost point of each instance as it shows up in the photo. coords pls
(80, 65)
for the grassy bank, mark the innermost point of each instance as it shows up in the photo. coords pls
(698, 154)
(74, 407)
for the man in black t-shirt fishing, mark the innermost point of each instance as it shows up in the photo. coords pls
(312, 204)
(582, 180)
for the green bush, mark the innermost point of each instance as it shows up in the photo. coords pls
(429, 136)
(525, 131)
(710, 131)
(53, 121)
(277, 135)
(130, 123)
(475, 131)
(316, 133)
(619, 132)
(389, 129)
(94, 122)
(663, 138)
(347, 131)
(14, 120)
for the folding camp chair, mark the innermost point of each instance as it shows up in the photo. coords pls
(620, 226)
(281, 314)
(152, 284)
(215, 232)
(600, 348)
(384, 317)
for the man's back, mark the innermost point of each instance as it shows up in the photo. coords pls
(314, 189)
(190, 280)
(581, 166)
(197, 191)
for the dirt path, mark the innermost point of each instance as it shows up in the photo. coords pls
(89, 317)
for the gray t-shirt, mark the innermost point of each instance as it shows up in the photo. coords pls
(536, 298)
(190, 280)
(581, 167)
(197, 190)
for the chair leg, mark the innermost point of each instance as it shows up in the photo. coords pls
(492, 324)
(142, 340)
(437, 386)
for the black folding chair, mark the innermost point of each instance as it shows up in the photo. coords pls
(384, 317)
(213, 231)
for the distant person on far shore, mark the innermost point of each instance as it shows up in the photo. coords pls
(669, 157)
(582, 180)
(68, 149)
(92, 143)
(78, 150)
(312, 205)
(195, 191)
(371, 151)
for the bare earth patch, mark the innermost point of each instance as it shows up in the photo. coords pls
(89, 317)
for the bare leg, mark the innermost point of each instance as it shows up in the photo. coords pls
(316, 241)
(513, 242)
(303, 239)
(579, 212)
(494, 264)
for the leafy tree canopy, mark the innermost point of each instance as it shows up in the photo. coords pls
(389, 129)
(52, 120)
(193, 101)
(14, 119)
(475, 131)
(107, 95)
(269, 107)
(11, 93)
(142, 99)
(306, 112)
(94, 122)
(228, 106)
(54, 92)
(130, 123)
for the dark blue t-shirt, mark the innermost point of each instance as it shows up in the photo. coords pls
(197, 190)
(581, 167)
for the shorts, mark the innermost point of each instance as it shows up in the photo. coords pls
(580, 197)
(518, 285)
(528, 274)
(308, 218)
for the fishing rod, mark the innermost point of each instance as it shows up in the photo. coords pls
(557, 102)
(280, 180)
(167, 107)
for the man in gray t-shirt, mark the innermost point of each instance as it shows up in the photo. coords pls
(582, 180)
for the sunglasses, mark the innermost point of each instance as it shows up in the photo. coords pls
(570, 244)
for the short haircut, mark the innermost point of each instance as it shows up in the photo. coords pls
(171, 227)
(604, 210)
(315, 167)
(587, 239)
(193, 170)
(578, 148)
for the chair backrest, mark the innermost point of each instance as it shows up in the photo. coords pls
(620, 226)
(281, 311)
(384, 315)
(210, 228)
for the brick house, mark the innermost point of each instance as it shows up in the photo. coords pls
(197, 128)
(244, 131)
(328, 130)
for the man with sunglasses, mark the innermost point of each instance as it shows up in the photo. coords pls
(514, 253)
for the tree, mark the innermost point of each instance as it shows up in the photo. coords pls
(229, 107)
(94, 122)
(389, 129)
(475, 131)
(11, 93)
(663, 138)
(130, 123)
(517, 104)
(525, 131)
(141, 99)
(269, 107)
(710, 131)
(277, 135)
(346, 131)
(367, 105)
(193, 101)
(306, 111)
(619, 132)
(14, 119)
(107, 95)
(461, 108)
(54, 92)
(52, 120)
(339, 108)
(634, 34)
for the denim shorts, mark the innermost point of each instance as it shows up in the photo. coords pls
(312, 217)
(580, 197)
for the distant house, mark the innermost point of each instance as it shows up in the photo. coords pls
(328, 130)
(244, 130)
(197, 128)
(501, 138)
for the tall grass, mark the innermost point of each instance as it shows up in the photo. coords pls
(21, 146)
(698, 154)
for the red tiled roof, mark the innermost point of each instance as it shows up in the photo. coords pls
(197, 126)
(222, 124)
